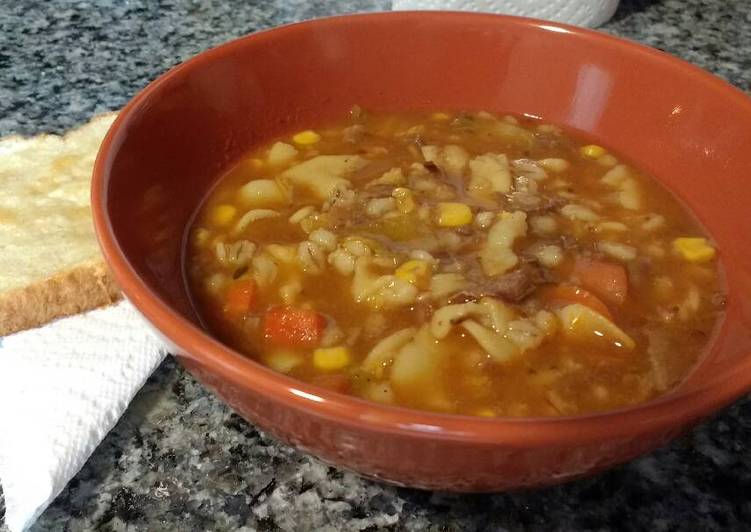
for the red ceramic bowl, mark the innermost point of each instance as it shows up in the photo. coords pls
(171, 142)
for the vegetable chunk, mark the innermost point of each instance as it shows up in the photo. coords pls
(293, 327)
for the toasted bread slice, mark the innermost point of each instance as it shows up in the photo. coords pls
(50, 264)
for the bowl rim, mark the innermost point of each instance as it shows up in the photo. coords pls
(670, 410)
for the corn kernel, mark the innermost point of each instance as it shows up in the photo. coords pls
(306, 137)
(331, 358)
(414, 272)
(454, 214)
(223, 214)
(485, 412)
(592, 151)
(440, 116)
(694, 249)
(405, 203)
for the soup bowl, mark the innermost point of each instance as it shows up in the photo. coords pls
(173, 140)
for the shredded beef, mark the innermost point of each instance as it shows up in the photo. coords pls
(512, 287)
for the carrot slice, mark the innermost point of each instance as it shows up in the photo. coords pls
(241, 297)
(607, 280)
(566, 294)
(293, 327)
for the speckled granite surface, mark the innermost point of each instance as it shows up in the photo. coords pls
(180, 460)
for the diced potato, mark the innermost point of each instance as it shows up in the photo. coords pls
(324, 174)
(513, 133)
(379, 392)
(283, 360)
(490, 173)
(223, 214)
(331, 358)
(694, 249)
(451, 214)
(306, 138)
(497, 256)
(593, 151)
(263, 193)
(451, 159)
(629, 195)
(583, 323)
(281, 153)
(419, 367)
(395, 177)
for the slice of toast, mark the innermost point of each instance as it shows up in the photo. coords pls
(50, 264)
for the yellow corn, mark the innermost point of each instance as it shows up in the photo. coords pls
(485, 412)
(331, 358)
(453, 214)
(440, 116)
(306, 137)
(223, 214)
(593, 151)
(694, 249)
(414, 271)
(404, 200)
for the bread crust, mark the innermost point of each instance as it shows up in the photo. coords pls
(85, 287)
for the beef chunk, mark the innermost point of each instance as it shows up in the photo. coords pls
(512, 287)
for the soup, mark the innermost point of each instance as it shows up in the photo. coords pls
(463, 263)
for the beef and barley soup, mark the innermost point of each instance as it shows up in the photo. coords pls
(465, 263)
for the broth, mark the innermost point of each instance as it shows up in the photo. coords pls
(456, 262)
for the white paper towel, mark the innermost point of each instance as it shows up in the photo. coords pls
(62, 388)
(590, 13)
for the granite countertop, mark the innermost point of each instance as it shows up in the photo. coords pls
(181, 460)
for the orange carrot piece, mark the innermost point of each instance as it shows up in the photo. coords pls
(241, 297)
(293, 327)
(607, 280)
(566, 294)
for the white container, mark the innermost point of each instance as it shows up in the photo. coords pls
(589, 13)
